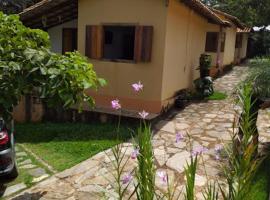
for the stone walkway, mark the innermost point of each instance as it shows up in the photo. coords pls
(263, 125)
(208, 124)
(34, 171)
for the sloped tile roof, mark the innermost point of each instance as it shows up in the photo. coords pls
(32, 15)
(54, 12)
(205, 11)
(232, 18)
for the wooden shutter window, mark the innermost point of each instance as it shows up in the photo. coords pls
(239, 40)
(211, 44)
(69, 40)
(94, 42)
(143, 43)
(223, 40)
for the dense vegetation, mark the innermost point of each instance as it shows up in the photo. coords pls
(251, 12)
(15, 6)
(27, 65)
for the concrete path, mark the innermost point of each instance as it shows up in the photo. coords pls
(209, 124)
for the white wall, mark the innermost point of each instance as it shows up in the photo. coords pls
(55, 34)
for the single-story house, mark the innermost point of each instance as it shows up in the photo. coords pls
(226, 44)
(157, 42)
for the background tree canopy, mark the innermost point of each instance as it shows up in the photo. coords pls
(15, 6)
(27, 65)
(251, 12)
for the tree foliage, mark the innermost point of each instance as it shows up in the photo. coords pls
(15, 6)
(251, 12)
(27, 65)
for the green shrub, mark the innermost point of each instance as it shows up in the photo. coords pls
(27, 65)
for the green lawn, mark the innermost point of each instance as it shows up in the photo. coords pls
(261, 187)
(217, 96)
(64, 145)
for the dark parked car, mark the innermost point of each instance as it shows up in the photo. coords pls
(8, 168)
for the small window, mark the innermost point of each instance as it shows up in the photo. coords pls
(119, 42)
(212, 42)
(239, 41)
(69, 40)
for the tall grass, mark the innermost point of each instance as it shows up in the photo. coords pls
(145, 172)
(242, 158)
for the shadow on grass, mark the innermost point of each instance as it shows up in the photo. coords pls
(261, 183)
(59, 132)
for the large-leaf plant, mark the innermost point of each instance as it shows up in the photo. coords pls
(27, 65)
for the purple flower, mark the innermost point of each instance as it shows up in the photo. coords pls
(143, 114)
(163, 176)
(198, 151)
(217, 157)
(218, 148)
(115, 104)
(135, 153)
(127, 178)
(179, 137)
(137, 86)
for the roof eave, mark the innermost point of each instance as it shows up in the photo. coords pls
(204, 11)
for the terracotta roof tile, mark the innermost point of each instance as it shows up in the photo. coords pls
(205, 11)
(232, 18)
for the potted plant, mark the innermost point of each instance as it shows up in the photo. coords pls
(205, 65)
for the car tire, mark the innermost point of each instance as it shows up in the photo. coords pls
(13, 174)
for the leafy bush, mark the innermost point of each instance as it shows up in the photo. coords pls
(204, 86)
(27, 65)
(259, 77)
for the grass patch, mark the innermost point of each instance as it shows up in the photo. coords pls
(261, 186)
(217, 96)
(63, 145)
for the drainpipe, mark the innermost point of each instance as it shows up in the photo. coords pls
(218, 61)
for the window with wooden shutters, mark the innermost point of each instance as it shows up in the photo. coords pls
(143, 43)
(69, 42)
(223, 40)
(119, 43)
(211, 42)
(239, 40)
(94, 42)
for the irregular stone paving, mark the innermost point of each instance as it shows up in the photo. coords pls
(263, 125)
(207, 123)
(36, 173)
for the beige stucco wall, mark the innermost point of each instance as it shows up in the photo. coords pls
(243, 51)
(120, 76)
(185, 42)
(229, 50)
